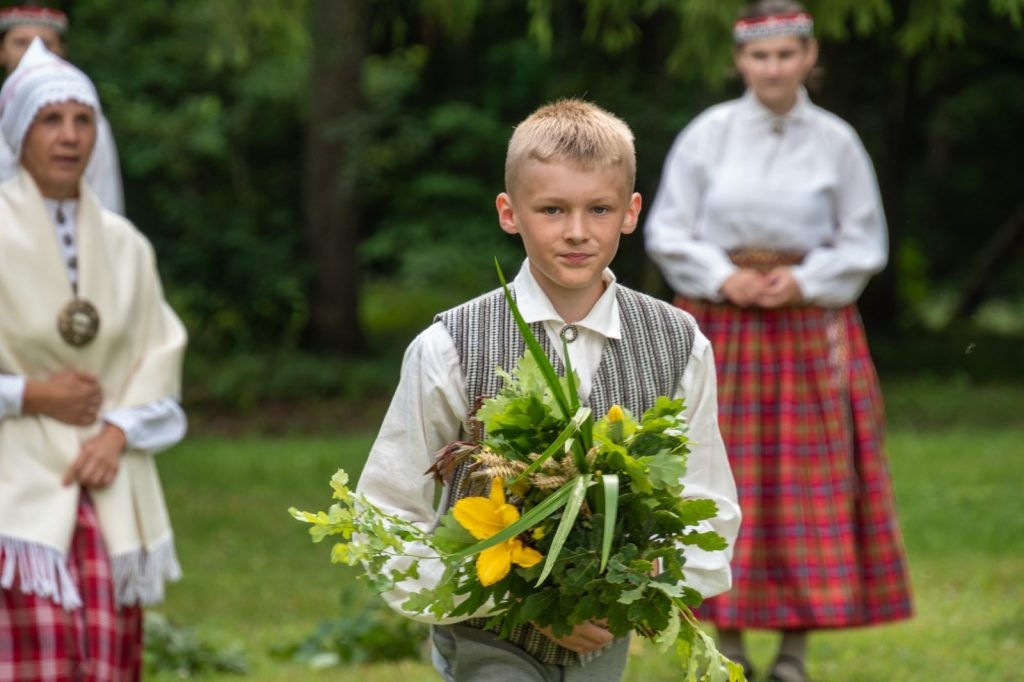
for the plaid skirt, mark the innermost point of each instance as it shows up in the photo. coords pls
(42, 642)
(801, 413)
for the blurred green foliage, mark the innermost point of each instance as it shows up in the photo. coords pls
(208, 102)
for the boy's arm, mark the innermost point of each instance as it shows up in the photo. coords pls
(426, 413)
(708, 474)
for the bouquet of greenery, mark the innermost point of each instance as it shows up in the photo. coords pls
(579, 520)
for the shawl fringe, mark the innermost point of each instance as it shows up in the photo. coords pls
(40, 570)
(139, 576)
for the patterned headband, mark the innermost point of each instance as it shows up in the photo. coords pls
(799, 24)
(33, 16)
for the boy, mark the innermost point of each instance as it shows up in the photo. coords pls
(569, 176)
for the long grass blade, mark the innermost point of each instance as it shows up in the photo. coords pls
(533, 346)
(582, 445)
(578, 489)
(608, 504)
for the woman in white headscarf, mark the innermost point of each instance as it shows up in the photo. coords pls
(90, 366)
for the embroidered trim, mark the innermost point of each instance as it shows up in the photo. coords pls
(33, 16)
(799, 24)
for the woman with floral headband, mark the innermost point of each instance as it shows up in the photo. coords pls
(768, 224)
(90, 373)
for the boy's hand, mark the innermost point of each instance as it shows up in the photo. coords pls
(69, 396)
(98, 460)
(584, 638)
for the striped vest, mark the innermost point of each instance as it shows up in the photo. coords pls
(647, 362)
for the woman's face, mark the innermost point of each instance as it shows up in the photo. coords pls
(18, 38)
(775, 68)
(57, 148)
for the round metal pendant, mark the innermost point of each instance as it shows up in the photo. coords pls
(569, 333)
(78, 322)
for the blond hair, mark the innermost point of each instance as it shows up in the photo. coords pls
(571, 130)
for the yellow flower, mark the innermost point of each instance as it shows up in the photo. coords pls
(615, 418)
(484, 517)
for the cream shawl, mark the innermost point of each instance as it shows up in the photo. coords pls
(137, 356)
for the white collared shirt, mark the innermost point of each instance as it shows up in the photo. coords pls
(430, 404)
(741, 176)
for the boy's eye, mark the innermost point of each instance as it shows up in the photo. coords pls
(600, 210)
(551, 210)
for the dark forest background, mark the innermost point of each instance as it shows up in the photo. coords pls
(318, 176)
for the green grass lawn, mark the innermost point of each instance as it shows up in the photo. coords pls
(253, 579)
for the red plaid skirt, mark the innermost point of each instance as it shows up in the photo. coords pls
(801, 413)
(42, 642)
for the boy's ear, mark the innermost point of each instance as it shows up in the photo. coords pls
(632, 217)
(506, 213)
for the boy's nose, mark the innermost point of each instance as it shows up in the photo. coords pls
(575, 228)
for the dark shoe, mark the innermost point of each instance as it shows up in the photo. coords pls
(788, 669)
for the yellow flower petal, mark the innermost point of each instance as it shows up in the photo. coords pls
(478, 516)
(484, 517)
(493, 564)
(497, 492)
(524, 556)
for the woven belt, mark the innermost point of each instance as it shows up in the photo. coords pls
(764, 259)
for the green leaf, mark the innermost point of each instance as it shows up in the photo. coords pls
(450, 536)
(691, 512)
(577, 492)
(709, 541)
(665, 471)
(538, 606)
(570, 428)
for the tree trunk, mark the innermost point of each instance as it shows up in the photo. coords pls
(998, 251)
(339, 33)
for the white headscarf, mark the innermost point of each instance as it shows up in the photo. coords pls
(42, 78)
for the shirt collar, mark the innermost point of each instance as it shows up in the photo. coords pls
(751, 107)
(535, 306)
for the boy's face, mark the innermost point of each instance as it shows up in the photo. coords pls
(570, 220)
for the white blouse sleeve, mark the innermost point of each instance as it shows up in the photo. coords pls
(708, 474)
(12, 389)
(691, 266)
(152, 427)
(835, 274)
(426, 413)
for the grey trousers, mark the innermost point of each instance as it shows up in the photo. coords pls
(464, 654)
